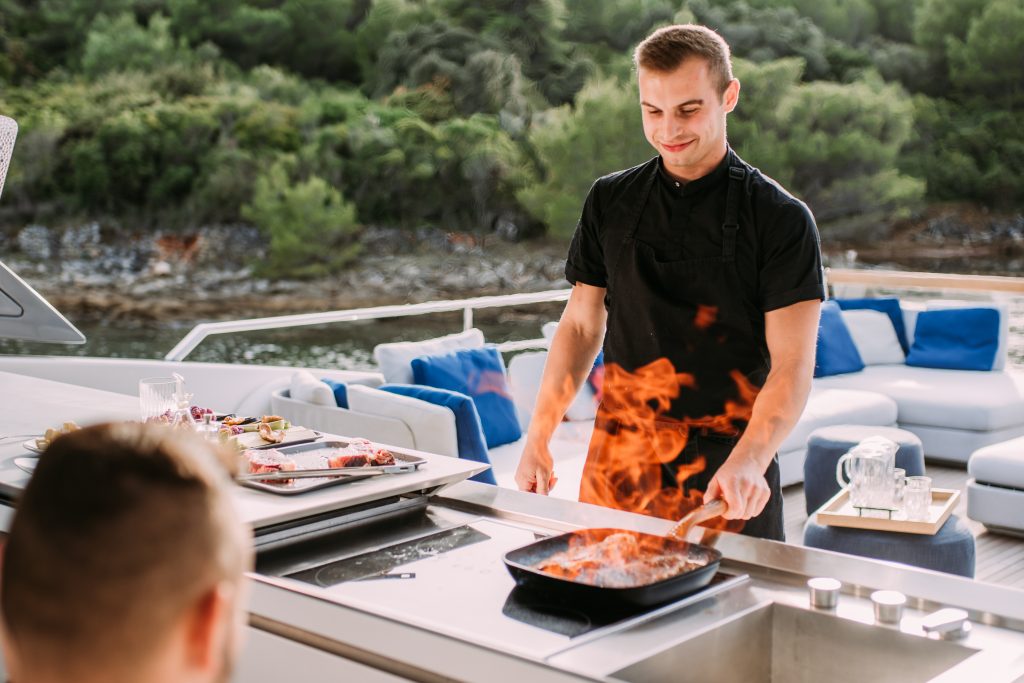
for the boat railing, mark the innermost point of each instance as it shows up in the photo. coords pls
(895, 279)
(200, 332)
(834, 276)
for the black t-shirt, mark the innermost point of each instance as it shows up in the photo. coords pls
(778, 255)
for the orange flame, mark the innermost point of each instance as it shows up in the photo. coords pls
(634, 440)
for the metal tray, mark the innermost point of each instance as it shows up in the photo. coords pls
(522, 565)
(306, 458)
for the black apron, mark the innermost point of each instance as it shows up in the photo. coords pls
(680, 349)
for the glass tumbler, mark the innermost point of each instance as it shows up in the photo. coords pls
(157, 398)
(899, 488)
(918, 498)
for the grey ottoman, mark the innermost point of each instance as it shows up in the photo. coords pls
(995, 492)
(950, 550)
(826, 445)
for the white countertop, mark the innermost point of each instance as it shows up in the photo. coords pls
(30, 405)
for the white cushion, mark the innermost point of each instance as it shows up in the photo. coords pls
(308, 389)
(524, 374)
(875, 337)
(1001, 463)
(827, 407)
(953, 399)
(395, 359)
(432, 426)
(584, 406)
(1004, 322)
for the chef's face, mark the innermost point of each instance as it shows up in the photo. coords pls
(684, 116)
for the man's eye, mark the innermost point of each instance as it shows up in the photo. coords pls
(653, 112)
(690, 112)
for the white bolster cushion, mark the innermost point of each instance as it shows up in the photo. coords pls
(395, 359)
(875, 337)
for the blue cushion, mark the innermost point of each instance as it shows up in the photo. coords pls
(468, 430)
(340, 390)
(889, 306)
(955, 339)
(479, 374)
(836, 352)
(950, 550)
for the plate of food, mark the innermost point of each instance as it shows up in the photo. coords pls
(306, 467)
(265, 431)
(40, 443)
(26, 463)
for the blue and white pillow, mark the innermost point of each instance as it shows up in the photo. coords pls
(479, 374)
(836, 353)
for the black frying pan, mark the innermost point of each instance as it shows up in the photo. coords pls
(523, 563)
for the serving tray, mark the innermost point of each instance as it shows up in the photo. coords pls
(313, 456)
(840, 512)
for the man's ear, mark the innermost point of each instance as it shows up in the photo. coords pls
(205, 628)
(731, 96)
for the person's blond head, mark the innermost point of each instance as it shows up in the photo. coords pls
(122, 529)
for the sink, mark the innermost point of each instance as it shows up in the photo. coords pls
(776, 642)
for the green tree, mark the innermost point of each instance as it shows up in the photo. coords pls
(601, 134)
(835, 145)
(119, 43)
(311, 229)
(988, 62)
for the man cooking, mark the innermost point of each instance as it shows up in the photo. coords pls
(698, 266)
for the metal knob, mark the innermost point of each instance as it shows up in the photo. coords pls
(948, 624)
(824, 592)
(888, 606)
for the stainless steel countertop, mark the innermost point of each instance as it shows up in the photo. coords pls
(362, 630)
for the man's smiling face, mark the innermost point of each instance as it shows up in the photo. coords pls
(684, 116)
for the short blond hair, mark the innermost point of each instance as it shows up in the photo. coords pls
(120, 530)
(668, 47)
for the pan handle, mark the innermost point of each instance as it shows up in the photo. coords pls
(710, 510)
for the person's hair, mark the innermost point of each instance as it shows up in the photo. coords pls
(122, 528)
(668, 47)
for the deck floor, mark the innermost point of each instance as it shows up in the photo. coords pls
(1000, 558)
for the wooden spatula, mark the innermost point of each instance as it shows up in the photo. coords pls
(710, 510)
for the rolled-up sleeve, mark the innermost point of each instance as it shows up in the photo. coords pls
(791, 269)
(585, 262)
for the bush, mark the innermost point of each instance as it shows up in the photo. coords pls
(311, 229)
(602, 134)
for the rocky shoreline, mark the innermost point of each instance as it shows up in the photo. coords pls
(113, 275)
(158, 279)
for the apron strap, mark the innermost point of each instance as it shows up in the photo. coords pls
(621, 232)
(731, 225)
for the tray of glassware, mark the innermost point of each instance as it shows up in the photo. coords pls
(840, 511)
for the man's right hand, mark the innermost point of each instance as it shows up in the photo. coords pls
(536, 472)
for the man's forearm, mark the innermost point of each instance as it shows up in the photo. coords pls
(569, 361)
(776, 411)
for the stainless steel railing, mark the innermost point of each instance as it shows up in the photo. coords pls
(201, 331)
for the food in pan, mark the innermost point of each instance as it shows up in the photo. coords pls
(271, 428)
(618, 561)
(43, 442)
(361, 453)
(269, 461)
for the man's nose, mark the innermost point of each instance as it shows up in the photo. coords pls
(671, 127)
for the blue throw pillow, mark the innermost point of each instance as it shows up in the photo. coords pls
(836, 352)
(480, 374)
(469, 432)
(889, 306)
(955, 339)
(340, 390)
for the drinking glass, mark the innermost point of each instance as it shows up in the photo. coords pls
(157, 397)
(918, 498)
(899, 488)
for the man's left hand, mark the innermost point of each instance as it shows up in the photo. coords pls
(741, 483)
